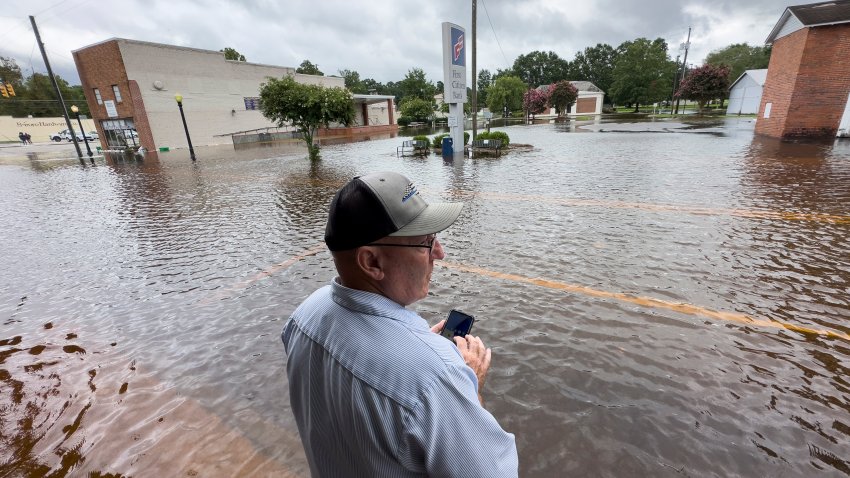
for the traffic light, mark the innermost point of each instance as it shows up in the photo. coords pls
(10, 90)
(3, 91)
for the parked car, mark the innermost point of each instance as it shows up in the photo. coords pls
(66, 135)
(93, 135)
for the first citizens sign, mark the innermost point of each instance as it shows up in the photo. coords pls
(454, 63)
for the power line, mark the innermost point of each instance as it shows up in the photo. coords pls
(494, 34)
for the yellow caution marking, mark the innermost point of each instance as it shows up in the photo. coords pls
(646, 301)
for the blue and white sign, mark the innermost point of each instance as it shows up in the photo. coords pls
(454, 63)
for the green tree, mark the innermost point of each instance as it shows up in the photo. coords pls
(541, 68)
(307, 68)
(506, 91)
(306, 107)
(643, 73)
(740, 57)
(704, 84)
(10, 73)
(352, 81)
(232, 54)
(562, 95)
(596, 65)
(416, 85)
(485, 79)
(417, 109)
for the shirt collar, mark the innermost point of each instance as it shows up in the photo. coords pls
(374, 304)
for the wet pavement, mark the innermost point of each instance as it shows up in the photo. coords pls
(661, 300)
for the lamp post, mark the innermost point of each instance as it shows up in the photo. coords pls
(76, 112)
(179, 99)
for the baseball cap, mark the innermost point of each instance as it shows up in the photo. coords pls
(383, 204)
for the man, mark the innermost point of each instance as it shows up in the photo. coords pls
(374, 390)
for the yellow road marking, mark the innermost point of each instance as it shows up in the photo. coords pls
(701, 211)
(646, 301)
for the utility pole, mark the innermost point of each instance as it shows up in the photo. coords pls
(56, 88)
(474, 78)
(684, 65)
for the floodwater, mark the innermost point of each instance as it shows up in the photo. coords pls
(661, 301)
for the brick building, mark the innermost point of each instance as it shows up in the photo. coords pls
(807, 90)
(130, 87)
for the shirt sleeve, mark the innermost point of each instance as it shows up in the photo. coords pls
(453, 435)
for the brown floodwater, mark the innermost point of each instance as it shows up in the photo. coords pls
(661, 300)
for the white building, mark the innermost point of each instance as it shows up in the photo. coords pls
(131, 85)
(745, 93)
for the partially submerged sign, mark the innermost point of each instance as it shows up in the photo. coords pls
(454, 63)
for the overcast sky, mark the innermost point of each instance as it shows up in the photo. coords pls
(380, 39)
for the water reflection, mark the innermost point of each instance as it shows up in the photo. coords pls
(144, 301)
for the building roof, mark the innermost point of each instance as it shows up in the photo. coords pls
(811, 15)
(759, 76)
(580, 86)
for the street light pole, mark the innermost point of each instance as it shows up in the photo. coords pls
(76, 112)
(179, 99)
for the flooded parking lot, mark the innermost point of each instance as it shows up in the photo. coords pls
(661, 301)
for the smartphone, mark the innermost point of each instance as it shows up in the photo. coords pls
(458, 324)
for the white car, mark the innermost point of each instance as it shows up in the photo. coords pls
(66, 135)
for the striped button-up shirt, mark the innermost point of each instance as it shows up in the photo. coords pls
(376, 393)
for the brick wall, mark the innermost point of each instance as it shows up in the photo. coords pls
(808, 83)
(100, 66)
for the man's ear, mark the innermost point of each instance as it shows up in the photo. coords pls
(370, 261)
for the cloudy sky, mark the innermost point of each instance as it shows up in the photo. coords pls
(380, 39)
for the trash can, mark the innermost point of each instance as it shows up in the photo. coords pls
(448, 148)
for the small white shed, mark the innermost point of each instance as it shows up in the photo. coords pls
(745, 93)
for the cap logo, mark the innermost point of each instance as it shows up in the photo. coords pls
(409, 192)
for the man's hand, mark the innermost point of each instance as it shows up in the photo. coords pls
(476, 355)
(437, 328)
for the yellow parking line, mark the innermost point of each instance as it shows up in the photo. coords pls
(646, 301)
(701, 211)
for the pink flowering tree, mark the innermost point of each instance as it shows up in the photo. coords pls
(704, 84)
(534, 101)
(562, 95)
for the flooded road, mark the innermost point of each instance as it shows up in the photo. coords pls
(661, 302)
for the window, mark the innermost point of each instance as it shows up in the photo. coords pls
(117, 93)
(252, 102)
(97, 96)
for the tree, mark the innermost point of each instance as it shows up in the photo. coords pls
(534, 101)
(485, 79)
(307, 68)
(739, 58)
(306, 107)
(10, 73)
(415, 85)
(417, 109)
(562, 95)
(507, 91)
(705, 83)
(643, 72)
(596, 65)
(539, 68)
(352, 81)
(232, 54)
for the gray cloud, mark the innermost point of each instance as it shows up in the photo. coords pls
(380, 40)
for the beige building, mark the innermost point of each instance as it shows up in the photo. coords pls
(131, 86)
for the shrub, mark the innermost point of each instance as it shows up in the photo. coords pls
(500, 135)
(421, 137)
(437, 142)
(404, 120)
(466, 137)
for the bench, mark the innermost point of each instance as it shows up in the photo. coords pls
(412, 147)
(488, 145)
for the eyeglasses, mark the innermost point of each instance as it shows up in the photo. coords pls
(427, 244)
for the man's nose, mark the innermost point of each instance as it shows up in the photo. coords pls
(437, 251)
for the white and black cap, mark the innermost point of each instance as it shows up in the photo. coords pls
(383, 204)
